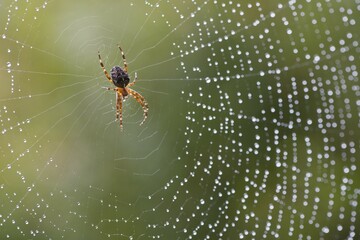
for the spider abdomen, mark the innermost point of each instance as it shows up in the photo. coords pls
(119, 77)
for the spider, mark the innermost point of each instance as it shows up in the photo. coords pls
(120, 78)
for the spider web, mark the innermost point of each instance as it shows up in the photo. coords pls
(253, 128)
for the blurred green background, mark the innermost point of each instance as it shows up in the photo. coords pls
(252, 130)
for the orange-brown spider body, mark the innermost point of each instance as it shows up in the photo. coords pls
(120, 78)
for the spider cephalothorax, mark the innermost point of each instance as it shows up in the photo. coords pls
(120, 78)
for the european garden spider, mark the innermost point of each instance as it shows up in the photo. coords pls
(120, 78)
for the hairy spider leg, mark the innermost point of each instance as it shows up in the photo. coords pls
(124, 59)
(119, 100)
(133, 83)
(140, 99)
(103, 68)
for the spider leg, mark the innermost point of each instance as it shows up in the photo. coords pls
(103, 68)
(119, 100)
(108, 88)
(141, 100)
(124, 59)
(133, 83)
